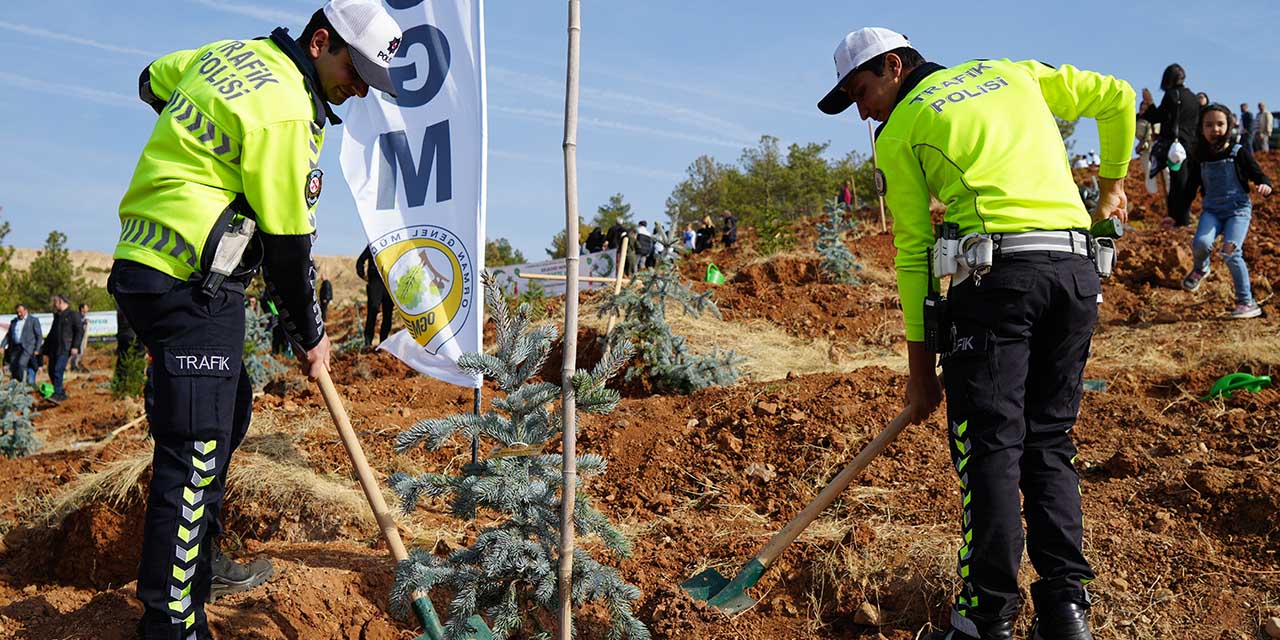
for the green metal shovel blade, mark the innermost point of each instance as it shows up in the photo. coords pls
(729, 596)
(426, 613)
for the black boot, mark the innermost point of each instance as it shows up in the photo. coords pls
(1061, 621)
(1002, 630)
(230, 577)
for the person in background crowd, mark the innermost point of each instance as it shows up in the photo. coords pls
(613, 242)
(690, 237)
(845, 197)
(1262, 128)
(1178, 116)
(62, 343)
(595, 241)
(1222, 171)
(127, 342)
(706, 234)
(1094, 160)
(614, 236)
(22, 345)
(1144, 134)
(1079, 162)
(78, 360)
(1245, 134)
(729, 232)
(326, 297)
(376, 296)
(279, 337)
(660, 243)
(644, 246)
(1203, 99)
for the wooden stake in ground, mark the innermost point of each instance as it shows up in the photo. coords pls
(875, 164)
(617, 285)
(568, 402)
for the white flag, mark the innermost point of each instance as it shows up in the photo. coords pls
(417, 166)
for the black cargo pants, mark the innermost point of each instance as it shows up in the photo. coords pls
(1013, 383)
(199, 413)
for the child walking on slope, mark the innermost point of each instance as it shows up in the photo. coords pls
(1222, 171)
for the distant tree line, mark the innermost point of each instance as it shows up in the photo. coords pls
(51, 272)
(768, 184)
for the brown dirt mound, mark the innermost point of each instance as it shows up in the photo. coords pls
(1181, 495)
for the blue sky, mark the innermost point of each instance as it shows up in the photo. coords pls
(662, 82)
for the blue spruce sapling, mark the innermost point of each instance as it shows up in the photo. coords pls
(665, 357)
(17, 434)
(508, 574)
(837, 261)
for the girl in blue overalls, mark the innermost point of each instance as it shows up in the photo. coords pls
(1222, 171)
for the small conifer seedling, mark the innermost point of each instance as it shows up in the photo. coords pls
(837, 261)
(508, 574)
(17, 434)
(665, 357)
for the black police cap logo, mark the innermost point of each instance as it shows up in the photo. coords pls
(881, 186)
(315, 181)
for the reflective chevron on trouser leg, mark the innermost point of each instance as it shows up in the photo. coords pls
(186, 552)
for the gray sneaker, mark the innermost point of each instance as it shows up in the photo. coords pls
(1192, 281)
(1242, 311)
(231, 577)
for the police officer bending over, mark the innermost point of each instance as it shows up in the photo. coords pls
(228, 182)
(1015, 333)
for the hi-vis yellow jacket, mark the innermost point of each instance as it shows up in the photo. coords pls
(237, 119)
(981, 137)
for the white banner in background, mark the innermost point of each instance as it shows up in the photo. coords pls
(600, 265)
(102, 324)
(417, 166)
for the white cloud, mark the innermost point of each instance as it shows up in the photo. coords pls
(619, 102)
(610, 167)
(261, 13)
(40, 32)
(597, 123)
(63, 89)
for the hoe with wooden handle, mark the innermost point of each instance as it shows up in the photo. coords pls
(422, 607)
(731, 595)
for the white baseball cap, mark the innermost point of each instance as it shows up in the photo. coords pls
(372, 35)
(855, 49)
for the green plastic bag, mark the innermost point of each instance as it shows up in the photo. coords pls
(45, 389)
(713, 274)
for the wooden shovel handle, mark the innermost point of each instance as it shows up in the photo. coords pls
(372, 493)
(842, 480)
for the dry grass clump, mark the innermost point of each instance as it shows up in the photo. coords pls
(286, 487)
(116, 484)
(1170, 350)
(269, 469)
(771, 353)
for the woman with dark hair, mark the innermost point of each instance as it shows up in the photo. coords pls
(1178, 116)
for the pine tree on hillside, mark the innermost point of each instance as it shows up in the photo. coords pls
(666, 359)
(837, 261)
(509, 572)
(17, 434)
